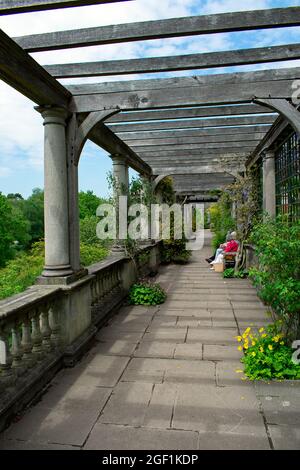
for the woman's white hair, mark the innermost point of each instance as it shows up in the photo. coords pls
(233, 235)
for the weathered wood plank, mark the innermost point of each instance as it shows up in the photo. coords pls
(182, 62)
(10, 7)
(24, 74)
(196, 140)
(235, 122)
(186, 153)
(176, 97)
(174, 27)
(211, 111)
(132, 136)
(267, 75)
(197, 169)
(201, 146)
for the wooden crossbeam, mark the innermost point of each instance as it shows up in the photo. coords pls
(202, 146)
(162, 152)
(229, 93)
(174, 27)
(182, 62)
(189, 113)
(22, 72)
(10, 7)
(193, 124)
(220, 139)
(132, 136)
(194, 81)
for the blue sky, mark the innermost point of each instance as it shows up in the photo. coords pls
(21, 130)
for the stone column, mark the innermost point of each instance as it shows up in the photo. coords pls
(121, 185)
(57, 256)
(269, 189)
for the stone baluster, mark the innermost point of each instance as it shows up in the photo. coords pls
(37, 338)
(16, 350)
(55, 327)
(6, 372)
(46, 330)
(26, 343)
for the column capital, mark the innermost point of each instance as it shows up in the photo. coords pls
(53, 114)
(118, 159)
(268, 154)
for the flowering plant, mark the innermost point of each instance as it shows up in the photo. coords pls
(267, 356)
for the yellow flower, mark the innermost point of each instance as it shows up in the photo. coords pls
(253, 354)
(247, 331)
(276, 339)
(239, 338)
(253, 343)
(246, 346)
(261, 349)
(261, 330)
(240, 348)
(264, 335)
(282, 343)
(270, 347)
(239, 371)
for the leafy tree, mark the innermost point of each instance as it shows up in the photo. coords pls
(13, 230)
(33, 210)
(88, 204)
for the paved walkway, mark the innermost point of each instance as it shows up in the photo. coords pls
(165, 378)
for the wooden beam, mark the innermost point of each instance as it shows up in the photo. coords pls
(182, 62)
(197, 169)
(286, 109)
(195, 81)
(186, 153)
(10, 7)
(220, 139)
(103, 137)
(174, 27)
(177, 97)
(132, 136)
(189, 113)
(234, 122)
(201, 147)
(24, 74)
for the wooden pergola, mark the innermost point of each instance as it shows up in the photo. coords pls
(183, 127)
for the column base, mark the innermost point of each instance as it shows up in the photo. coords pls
(118, 248)
(60, 277)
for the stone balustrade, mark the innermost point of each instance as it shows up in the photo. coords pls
(48, 327)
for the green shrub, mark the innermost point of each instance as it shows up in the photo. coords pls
(146, 294)
(174, 251)
(277, 246)
(229, 272)
(90, 254)
(266, 354)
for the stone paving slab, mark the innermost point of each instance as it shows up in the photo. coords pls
(207, 408)
(128, 404)
(212, 336)
(128, 438)
(285, 437)
(217, 352)
(156, 349)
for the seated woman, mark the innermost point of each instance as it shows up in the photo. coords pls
(229, 247)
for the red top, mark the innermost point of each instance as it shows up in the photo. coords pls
(231, 246)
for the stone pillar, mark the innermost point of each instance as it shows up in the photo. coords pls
(121, 185)
(57, 256)
(269, 189)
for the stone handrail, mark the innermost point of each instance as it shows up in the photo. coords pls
(47, 327)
